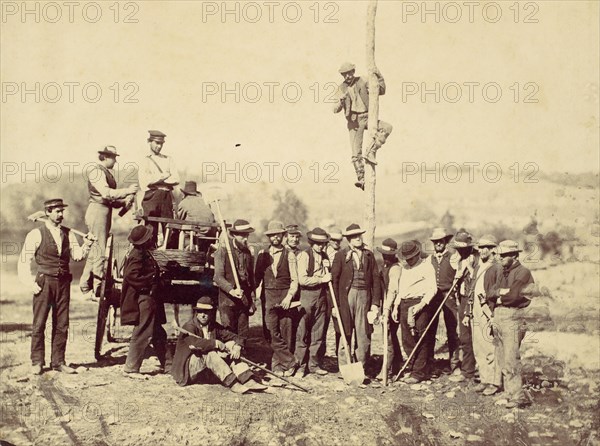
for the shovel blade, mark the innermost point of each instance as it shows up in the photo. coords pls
(353, 374)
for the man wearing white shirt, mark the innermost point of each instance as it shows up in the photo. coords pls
(104, 196)
(158, 176)
(52, 247)
(416, 289)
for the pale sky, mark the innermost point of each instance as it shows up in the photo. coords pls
(176, 53)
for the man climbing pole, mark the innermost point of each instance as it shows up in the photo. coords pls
(353, 96)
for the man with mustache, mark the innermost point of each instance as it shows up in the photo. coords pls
(353, 96)
(276, 269)
(236, 305)
(51, 246)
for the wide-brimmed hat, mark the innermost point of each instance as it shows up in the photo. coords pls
(346, 67)
(241, 227)
(140, 235)
(205, 303)
(508, 247)
(388, 247)
(54, 203)
(275, 227)
(336, 234)
(156, 135)
(487, 240)
(190, 188)
(109, 151)
(293, 229)
(353, 229)
(410, 249)
(462, 240)
(318, 235)
(440, 234)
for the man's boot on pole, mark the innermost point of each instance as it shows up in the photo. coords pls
(380, 137)
(360, 173)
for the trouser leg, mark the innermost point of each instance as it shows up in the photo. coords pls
(98, 220)
(41, 307)
(142, 334)
(450, 311)
(483, 346)
(326, 324)
(361, 324)
(467, 366)
(316, 333)
(216, 364)
(394, 350)
(283, 359)
(60, 322)
(422, 359)
(511, 331)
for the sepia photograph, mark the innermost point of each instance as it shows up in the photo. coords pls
(300, 223)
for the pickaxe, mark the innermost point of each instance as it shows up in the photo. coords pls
(41, 215)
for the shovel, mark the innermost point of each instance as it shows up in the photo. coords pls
(352, 373)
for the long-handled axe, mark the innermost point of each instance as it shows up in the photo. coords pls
(41, 215)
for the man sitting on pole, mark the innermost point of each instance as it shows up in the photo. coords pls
(353, 96)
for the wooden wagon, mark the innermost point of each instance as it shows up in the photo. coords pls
(186, 273)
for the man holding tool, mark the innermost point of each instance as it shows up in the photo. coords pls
(51, 246)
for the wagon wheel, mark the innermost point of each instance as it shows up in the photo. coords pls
(104, 298)
(113, 326)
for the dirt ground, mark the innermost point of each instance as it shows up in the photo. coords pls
(100, 406)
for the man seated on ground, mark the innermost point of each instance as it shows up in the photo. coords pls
(211, 350)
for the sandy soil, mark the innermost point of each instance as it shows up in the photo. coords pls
(100, 406)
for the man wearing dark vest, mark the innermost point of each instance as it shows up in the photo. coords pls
(313, 276)
(390, 278)
(276, 269)
(357, 287)
(158, 176)
(444, 273)
(104, 196)
(52, 247)
(236, 305)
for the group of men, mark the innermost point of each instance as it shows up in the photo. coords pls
(480, 289)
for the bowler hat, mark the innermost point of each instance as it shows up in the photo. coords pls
(241, 227)
(462, 240)
(388, 247)
(346, 67)
(275, 227)
(440, 234)
(318, 235)
(205, 303)
(109, 151)
(293, 229)
(156, 135)
(410, 249)
(508, 247)
(190, 188)
(487, 240)
(353, 229)
(140, 235)
(54, 203)
(336, 234)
